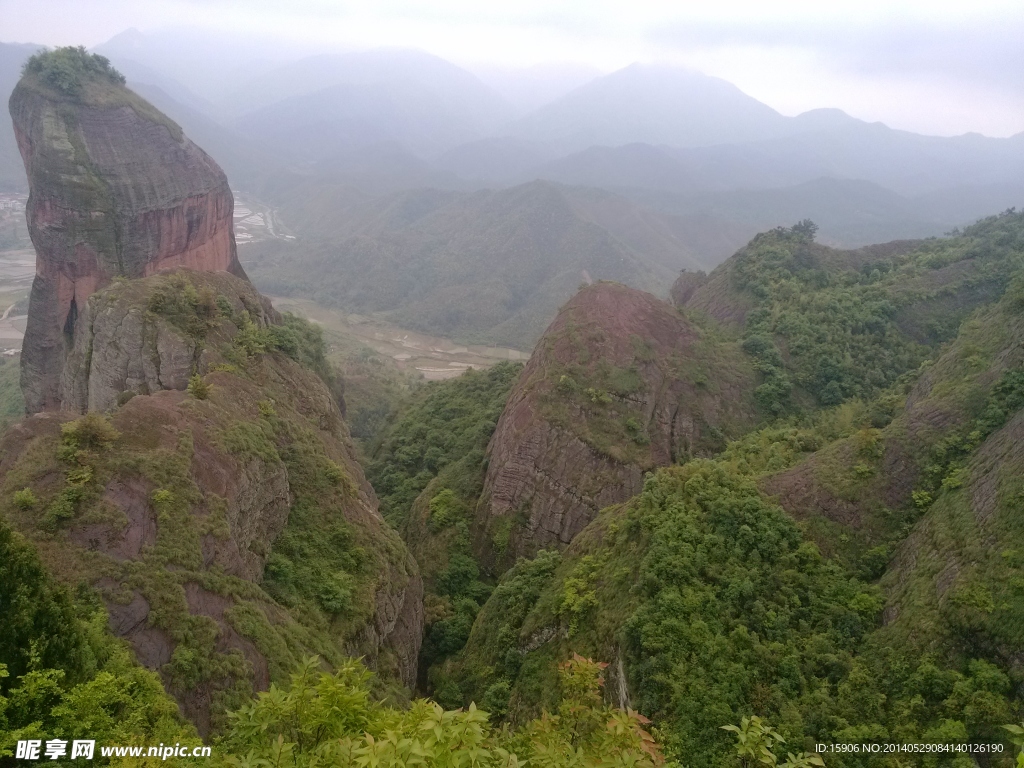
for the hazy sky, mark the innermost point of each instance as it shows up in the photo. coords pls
(925, 65)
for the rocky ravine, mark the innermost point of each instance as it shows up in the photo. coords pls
(619, 383)
(115, 189)
(175, 519)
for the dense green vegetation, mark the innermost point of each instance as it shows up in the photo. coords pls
(719, 606)
(835, 326)
(330, 719)
(717, 603)
(897, 620)
(428, 470)
(78, 682)
(443, 430)
(65, 69)
(61, 672)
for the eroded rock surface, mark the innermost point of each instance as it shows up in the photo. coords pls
(125, 344)
(115, 189)
(178, 519)
(619, 383)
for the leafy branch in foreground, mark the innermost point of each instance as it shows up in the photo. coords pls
(756, 741)
(1017, 738)
(329, 719)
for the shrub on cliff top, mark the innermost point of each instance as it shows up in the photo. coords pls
(92, 431)
(198, 388)
(66, 69)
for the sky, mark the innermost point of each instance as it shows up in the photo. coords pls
(929, 66)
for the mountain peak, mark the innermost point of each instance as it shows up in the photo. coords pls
(653, 104)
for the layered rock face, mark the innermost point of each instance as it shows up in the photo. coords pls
(115, 189)
(619, 383)
(230, 531)
(127, 342)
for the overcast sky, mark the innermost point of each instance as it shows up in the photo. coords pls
(930, 66)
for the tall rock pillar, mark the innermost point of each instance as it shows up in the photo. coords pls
(116, 188)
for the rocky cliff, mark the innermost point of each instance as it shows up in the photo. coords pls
(228, 528)
(115, 189)
(619, 383)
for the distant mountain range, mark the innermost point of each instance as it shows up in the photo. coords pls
(331, 139)
(486, 266)
(12, 172)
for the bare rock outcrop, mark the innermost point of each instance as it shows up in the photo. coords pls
(140, 337)
(685, 286)
(115, 189)
(620, 383)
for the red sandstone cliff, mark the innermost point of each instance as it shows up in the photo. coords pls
(195, 520)
(115, 189)
(619, 383)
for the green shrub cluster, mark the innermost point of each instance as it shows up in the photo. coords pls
(192, 311)
(330, 719)
(67, 69)
(61, 673)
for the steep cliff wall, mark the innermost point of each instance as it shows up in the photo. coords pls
(619, 383)
(115, 189)
(229, 529)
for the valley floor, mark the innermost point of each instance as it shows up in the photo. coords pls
(432, 357)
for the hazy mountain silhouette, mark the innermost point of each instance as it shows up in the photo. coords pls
(529, 88)
(210, 64)
(904, 162)
(497, 160)
(632, 165)
(323, 105)
(486, 266)
(325, 136)
(12, 172)
(654, 105)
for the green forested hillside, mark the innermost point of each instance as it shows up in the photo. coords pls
(846, 571)
(442, 432)
(826, 325)
(488, 267)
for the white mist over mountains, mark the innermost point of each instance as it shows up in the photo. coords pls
(932, 67)
(306, 128)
